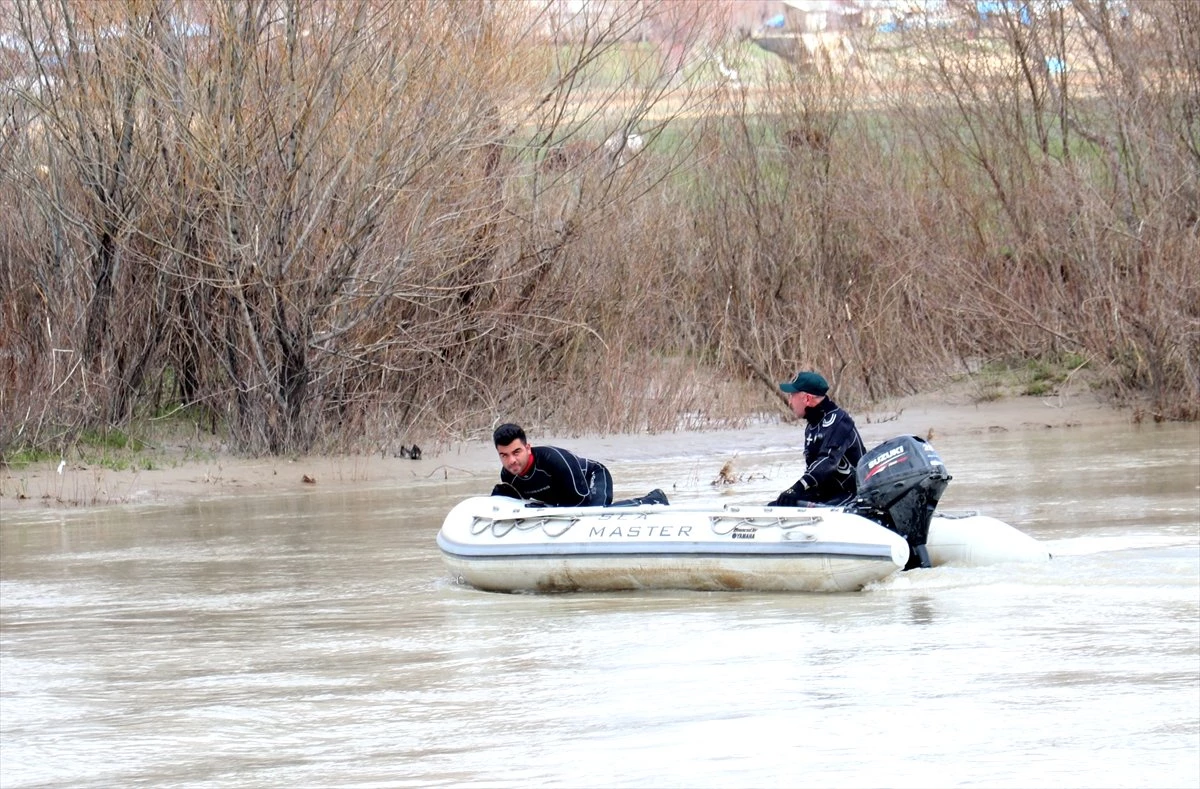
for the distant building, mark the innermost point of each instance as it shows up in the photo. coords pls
(816, 16)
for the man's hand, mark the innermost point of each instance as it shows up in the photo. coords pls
(506, 490)
(786, 499)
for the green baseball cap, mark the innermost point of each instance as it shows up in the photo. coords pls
(806, 381)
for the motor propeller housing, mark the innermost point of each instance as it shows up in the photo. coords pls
(899, 485)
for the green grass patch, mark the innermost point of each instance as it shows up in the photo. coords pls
(1037, 376)
(110, 439)
(148, 444)
(24, 457)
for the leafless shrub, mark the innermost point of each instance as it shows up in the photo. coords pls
(337, 225)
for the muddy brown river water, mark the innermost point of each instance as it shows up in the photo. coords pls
(314, 638)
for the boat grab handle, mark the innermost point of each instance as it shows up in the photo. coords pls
(762, 521)
(502, 527)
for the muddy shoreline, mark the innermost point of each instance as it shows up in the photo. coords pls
(47, 486)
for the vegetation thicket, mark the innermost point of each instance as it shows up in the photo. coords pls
(330, 226)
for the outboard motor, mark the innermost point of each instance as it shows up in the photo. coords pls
(899, 485)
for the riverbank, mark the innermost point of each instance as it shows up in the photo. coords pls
(179, 475)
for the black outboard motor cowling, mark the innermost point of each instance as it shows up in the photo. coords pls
(899, 485)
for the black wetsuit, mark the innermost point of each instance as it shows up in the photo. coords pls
(560, 479)
(832, 448)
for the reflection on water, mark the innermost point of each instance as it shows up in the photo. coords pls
(316, 640)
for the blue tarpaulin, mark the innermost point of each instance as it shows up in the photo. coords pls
(986, 8)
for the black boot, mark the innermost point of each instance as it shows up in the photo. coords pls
(655, 496)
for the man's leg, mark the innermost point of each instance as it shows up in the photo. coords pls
(655, 496)
(600, 493)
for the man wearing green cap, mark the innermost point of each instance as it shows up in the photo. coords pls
(832, 445)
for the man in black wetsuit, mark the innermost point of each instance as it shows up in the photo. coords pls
(832, 445)
(554, 476)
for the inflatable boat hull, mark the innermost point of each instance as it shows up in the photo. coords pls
(498, 544)
(973, 540)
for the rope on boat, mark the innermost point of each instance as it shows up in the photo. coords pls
(502, 527)
(721, 525)
(760, 521)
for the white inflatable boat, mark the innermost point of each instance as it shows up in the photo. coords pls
(499, 544)
(507, 545)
